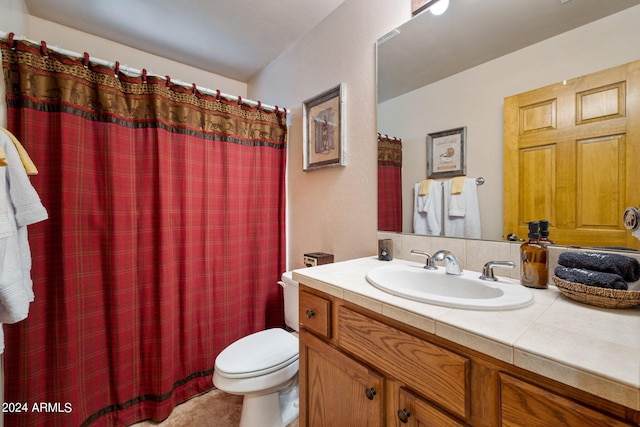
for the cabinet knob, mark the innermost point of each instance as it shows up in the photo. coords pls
(310, 314)
(370, 392)
(404, 415)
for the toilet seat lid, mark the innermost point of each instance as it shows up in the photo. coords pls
(258, 354)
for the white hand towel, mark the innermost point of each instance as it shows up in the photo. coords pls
(462, 218)
(25, 208)
(24, 198)
(14, 298)
(456, 199)
(421, 200)
(419, 214)
(427, 214)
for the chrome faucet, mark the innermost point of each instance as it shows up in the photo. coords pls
(429, 265)
(453, 266)
(487, 270)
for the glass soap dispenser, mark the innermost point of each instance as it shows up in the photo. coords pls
(544, 233)
(534, 268)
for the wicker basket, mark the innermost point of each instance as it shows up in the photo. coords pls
(600, 297)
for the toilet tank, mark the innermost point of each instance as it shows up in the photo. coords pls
(290, 287)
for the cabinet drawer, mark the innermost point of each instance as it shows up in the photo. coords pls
(431, 371)
(419, 412)
(526, 405)
(315, 314)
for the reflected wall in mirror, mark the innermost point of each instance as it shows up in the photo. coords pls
(482, 56)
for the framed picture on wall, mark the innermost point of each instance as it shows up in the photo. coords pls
(446, 153)
(323, 129)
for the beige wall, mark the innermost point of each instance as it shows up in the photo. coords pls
(474, 98)
(333, 210)
(13, 18)
(77, 41)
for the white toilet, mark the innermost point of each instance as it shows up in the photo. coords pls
(263, 367)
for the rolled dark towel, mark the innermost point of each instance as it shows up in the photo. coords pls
(591, 278)
(626, 267)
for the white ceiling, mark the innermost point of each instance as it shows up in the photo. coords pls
(232, 38)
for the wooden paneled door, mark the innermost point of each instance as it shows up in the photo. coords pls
(572, 156)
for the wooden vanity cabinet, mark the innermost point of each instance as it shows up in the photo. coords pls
(414, 411)
(339, 391)
(527, 405)
(359, 368)
(432, 371)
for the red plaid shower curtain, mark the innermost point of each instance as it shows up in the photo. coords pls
(389, 184)
(164, 243)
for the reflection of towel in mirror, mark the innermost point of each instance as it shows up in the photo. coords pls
(457, 184)
(626, 267)
(427, 210)
(462, 211)
(425, 186)
(591, 278)
(429, 198)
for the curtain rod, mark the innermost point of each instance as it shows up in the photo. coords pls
(133, 72)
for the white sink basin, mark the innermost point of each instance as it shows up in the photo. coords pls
(437, 287)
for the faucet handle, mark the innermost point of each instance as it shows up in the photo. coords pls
(429, 264)
(487, 270)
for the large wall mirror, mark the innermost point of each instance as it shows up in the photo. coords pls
(454, 70)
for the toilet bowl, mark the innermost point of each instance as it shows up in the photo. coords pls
(263, 367)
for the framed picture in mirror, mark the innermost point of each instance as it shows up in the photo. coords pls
(323, 129)
(446, 153)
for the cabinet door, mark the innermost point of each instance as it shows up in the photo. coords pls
(415, 412)
(335, 389)
(430, 370)
(526, 405)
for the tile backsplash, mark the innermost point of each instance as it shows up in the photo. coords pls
(472, 253)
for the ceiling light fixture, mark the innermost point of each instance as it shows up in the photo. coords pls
(439, 7)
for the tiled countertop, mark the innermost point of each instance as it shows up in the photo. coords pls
(593, 349)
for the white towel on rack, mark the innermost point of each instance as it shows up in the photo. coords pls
(427, 210)
(456, 206)
(462, 211)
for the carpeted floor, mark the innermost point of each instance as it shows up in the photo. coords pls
(213, 409)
